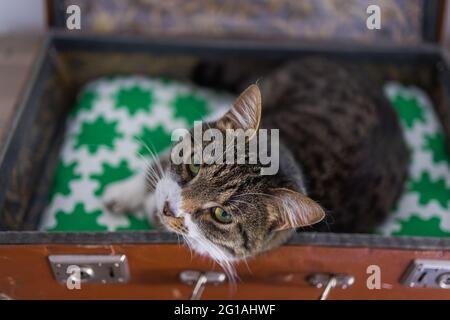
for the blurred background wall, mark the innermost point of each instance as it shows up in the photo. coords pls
(22, 16)
(30, 16)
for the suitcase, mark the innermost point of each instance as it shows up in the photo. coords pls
(153, 265)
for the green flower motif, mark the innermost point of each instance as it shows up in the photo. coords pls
(153, 140)
(78, 220)
(409, 110)
(431, 190)
(167, 81)
(85, 102)
(416, 226)
(190, 107)
(135, 99)
(436, 144)
(64, 175)
(136, 224)
(96, 134)
(111, 174)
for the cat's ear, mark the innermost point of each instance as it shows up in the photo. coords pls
(246, 111)
(291, 209)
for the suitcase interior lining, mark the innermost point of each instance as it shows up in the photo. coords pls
(66, 65)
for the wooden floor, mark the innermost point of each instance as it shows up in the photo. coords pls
(17, 54)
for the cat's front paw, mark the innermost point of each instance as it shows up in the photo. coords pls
(125, 196)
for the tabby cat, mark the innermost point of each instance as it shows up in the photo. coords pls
(343, 161)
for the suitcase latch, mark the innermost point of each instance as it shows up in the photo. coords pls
(199, 279)
(330, 281)
(423, 273)
(76, 269)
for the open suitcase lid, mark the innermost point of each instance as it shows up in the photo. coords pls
(409, 22)
(405, 22)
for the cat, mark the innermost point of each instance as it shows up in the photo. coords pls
(343, 161)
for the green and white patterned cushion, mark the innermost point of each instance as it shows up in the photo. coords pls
(110, 132)
(423, 209)
(116, 121)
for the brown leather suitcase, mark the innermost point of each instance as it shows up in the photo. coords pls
(153, 265)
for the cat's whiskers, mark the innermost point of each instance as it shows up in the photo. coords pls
(154, 157)
(236, 207)
(246, 264)
(244, 202)
(188, 244)
(154, 170)
(151, 176)
(257, 194)
(217, 255)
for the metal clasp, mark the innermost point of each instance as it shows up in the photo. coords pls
(90, 268)
(200, 279)
(424, 273)
(330, 281)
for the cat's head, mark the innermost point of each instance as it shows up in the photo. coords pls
(231, 211)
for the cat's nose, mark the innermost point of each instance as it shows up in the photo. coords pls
(166, 210)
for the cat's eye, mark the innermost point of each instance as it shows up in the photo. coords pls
(193, 167)
(221, 215)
